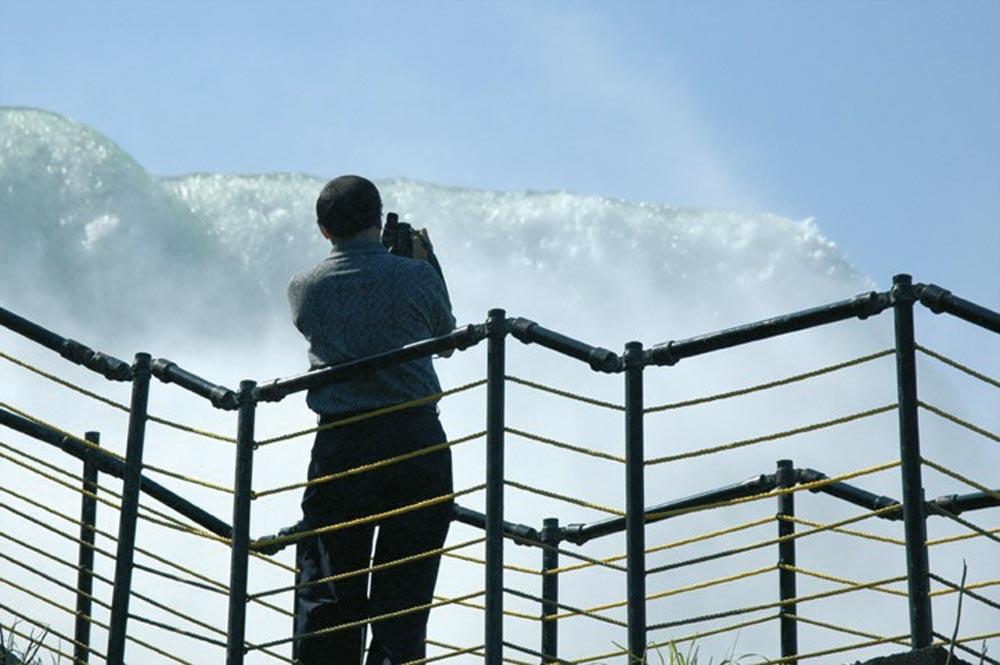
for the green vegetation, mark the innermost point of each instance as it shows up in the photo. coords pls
(13, 654)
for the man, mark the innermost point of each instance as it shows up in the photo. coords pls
(359, 301)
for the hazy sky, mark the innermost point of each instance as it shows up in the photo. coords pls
(877, 119)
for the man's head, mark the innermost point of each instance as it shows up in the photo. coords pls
(347, 205)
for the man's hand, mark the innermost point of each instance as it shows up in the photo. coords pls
(422, 246)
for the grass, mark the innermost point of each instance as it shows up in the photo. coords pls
(13, 654)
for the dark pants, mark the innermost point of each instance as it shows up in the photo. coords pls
(345, 550)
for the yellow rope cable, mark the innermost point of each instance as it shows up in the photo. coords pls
(365, 468)
(373, 414)
(670, 592)
(666, 546)
(68, 435)
(958, 366)
(838, 580)
(959, 537)
(772, 437)
(841, 629)
(189, 479)
(427, 503)
(482, 562)
(831, 651)
(962, 479)
(371, 569)
(958, 421)
(770, 384)
(566, 446)
(565, 393)
(848, 532)
(457, 651)
(113, 403)
(510, 613)
(563, 497)
(968, 587)
(802, 487)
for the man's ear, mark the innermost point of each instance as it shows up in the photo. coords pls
(322, 229)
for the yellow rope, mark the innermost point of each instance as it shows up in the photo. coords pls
(962, 368)
(365, 468)
(456, 651)
(842, 629)
(831, 651)
(958, 421)
(802, 487)
(838, 580)
(670, 592)
(427, 503)
(848, 532)
(566, 446)
(968, 587)
(482, 562)
(962, 479)
(771, 384)
(372, 569)
(959, 537)
(68, 435)
(113, 403)
(189, 479)
(772, 437)
(509, 613)
(373, 414)
(563, 497)
(665, 546)
(566, 394)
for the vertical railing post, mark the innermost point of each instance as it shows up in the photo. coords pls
(496, 331)
(635, 510)
(550, 590)
(85, 571)
(914, 517)
(240, 554)
(130, 509)
(785, 478)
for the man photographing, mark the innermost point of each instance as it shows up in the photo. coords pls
(359, 301)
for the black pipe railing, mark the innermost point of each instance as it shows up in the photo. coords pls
(786, 478)
(635, 502)
(496, 330)
(85, 559)
(851, 494)
(940, 300)
(457, 340)
(220, 396)
(240, 551)
(113, 466)
(550, 590)
(599, 359)
(73, 351)
(861, 306)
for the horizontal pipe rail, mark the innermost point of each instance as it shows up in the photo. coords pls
(960, 503)
(220, 396)
(861, 306)
(106, 463)
(599, 359)
(850, 493)
(940, 300)
(458, 339)
(105, 365)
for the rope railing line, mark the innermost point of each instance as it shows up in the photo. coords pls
(945, 640)
(48, 630)
(773, 541)
(776, 604)
(771, 384)
(677, 591)
(564, 498)
(780, 491)
(962, 479)
(208, 484)
(62, 432)
(565, 393)
(482, 608)
(373, 414)
(829, 652)
(839, 580)
(666, 546)
(369, 569)
(482, 562)
(772, 437)
(571, 610)
(842, 629)
(590, 452)
(368, 519)
(959, 537)
(372, 466)
(456, 651)
(848, 532)
(117, 405)
(177, 631)
(959, 421)
(969, 589)
(538, 654)
(934, 508)
(363, 622)
(959, 366)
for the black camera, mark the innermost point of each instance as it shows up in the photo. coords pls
(398, 237)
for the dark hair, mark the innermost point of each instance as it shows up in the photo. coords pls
(348, 204)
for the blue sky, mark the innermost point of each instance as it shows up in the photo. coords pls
(877, 119)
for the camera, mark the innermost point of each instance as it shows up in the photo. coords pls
(398, 237)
